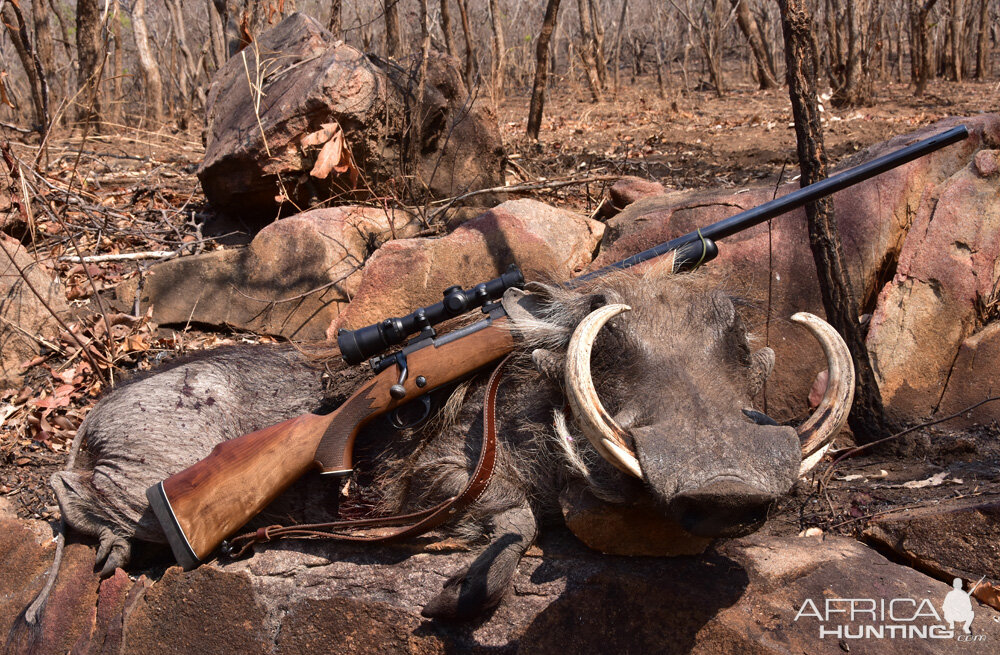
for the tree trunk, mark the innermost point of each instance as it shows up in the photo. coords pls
(983, 41)
(599, 56)
(449, 38)
(150, 68)
(470, 56)
(660, 91)
(189, 73)
(751, 30)
(44, 42)
(499, 51)
(89, 55)
(216, 35)
(393, 44)
(955, 29)
(920, 51)
(17, 30)
(587, 54)
(618, 42)
(334, 23)
(115, 37)
(854, 87)
(867, 418)
(713, 47)
(541, 69)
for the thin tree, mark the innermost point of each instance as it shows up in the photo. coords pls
(89, 55)
(17, 30)
(867, 418)
(767, 78)
(541, 69)
(449, 38)
(44, 41)
(334, 22)
(499, 50)
(588, 51)
(955, 32)
(983, 41)
(618, 42)
(470, 56)
(920, 51)
(393, 42)
(148, 64)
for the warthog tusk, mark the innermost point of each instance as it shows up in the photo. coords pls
(825, 423)
(589, 414)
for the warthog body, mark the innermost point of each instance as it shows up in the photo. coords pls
(676, 373)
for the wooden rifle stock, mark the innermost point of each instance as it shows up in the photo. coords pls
(202, 505)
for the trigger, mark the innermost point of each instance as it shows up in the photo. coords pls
(401, 418)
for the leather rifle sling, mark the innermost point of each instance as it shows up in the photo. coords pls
(415, 523)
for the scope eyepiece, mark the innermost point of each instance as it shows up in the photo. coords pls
(358, 345)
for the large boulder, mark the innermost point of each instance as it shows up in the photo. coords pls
(301, 117)
(773, 265)
(545, 242)
(945, 288)
(292, 280)
(29, 296)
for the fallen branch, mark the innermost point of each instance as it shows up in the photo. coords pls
(828, 474)
(125, 256)
(533, 186)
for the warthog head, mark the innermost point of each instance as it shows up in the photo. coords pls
(659, 376)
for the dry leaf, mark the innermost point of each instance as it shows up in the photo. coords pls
(335, 156)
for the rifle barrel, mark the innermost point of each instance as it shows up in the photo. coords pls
(793, 200)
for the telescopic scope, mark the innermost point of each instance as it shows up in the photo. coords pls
(358, 345)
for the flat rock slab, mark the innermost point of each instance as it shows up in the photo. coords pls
(958, 538)
(293, 279)
(742, 596)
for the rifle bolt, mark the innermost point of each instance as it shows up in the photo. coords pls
(421, 381)
(397, 391)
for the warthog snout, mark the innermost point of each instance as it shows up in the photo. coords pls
(724, 508)
(718, 480)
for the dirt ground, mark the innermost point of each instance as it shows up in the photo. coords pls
(135, 190)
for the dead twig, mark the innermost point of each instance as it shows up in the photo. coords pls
(125, 256)
(828, 474)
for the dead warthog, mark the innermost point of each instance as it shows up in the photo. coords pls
(637, 386)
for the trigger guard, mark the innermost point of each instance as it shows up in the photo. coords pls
(398, 423)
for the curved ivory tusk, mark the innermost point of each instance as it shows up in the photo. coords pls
(819, 430)
(589, 415)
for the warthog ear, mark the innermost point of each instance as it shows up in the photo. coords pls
(521, 305)
(761, 365)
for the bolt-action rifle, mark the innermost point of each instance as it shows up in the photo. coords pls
(206, 503)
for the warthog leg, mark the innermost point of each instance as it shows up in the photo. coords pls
(83, 510)
(481, 585)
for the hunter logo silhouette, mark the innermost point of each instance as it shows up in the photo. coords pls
(957, 607)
